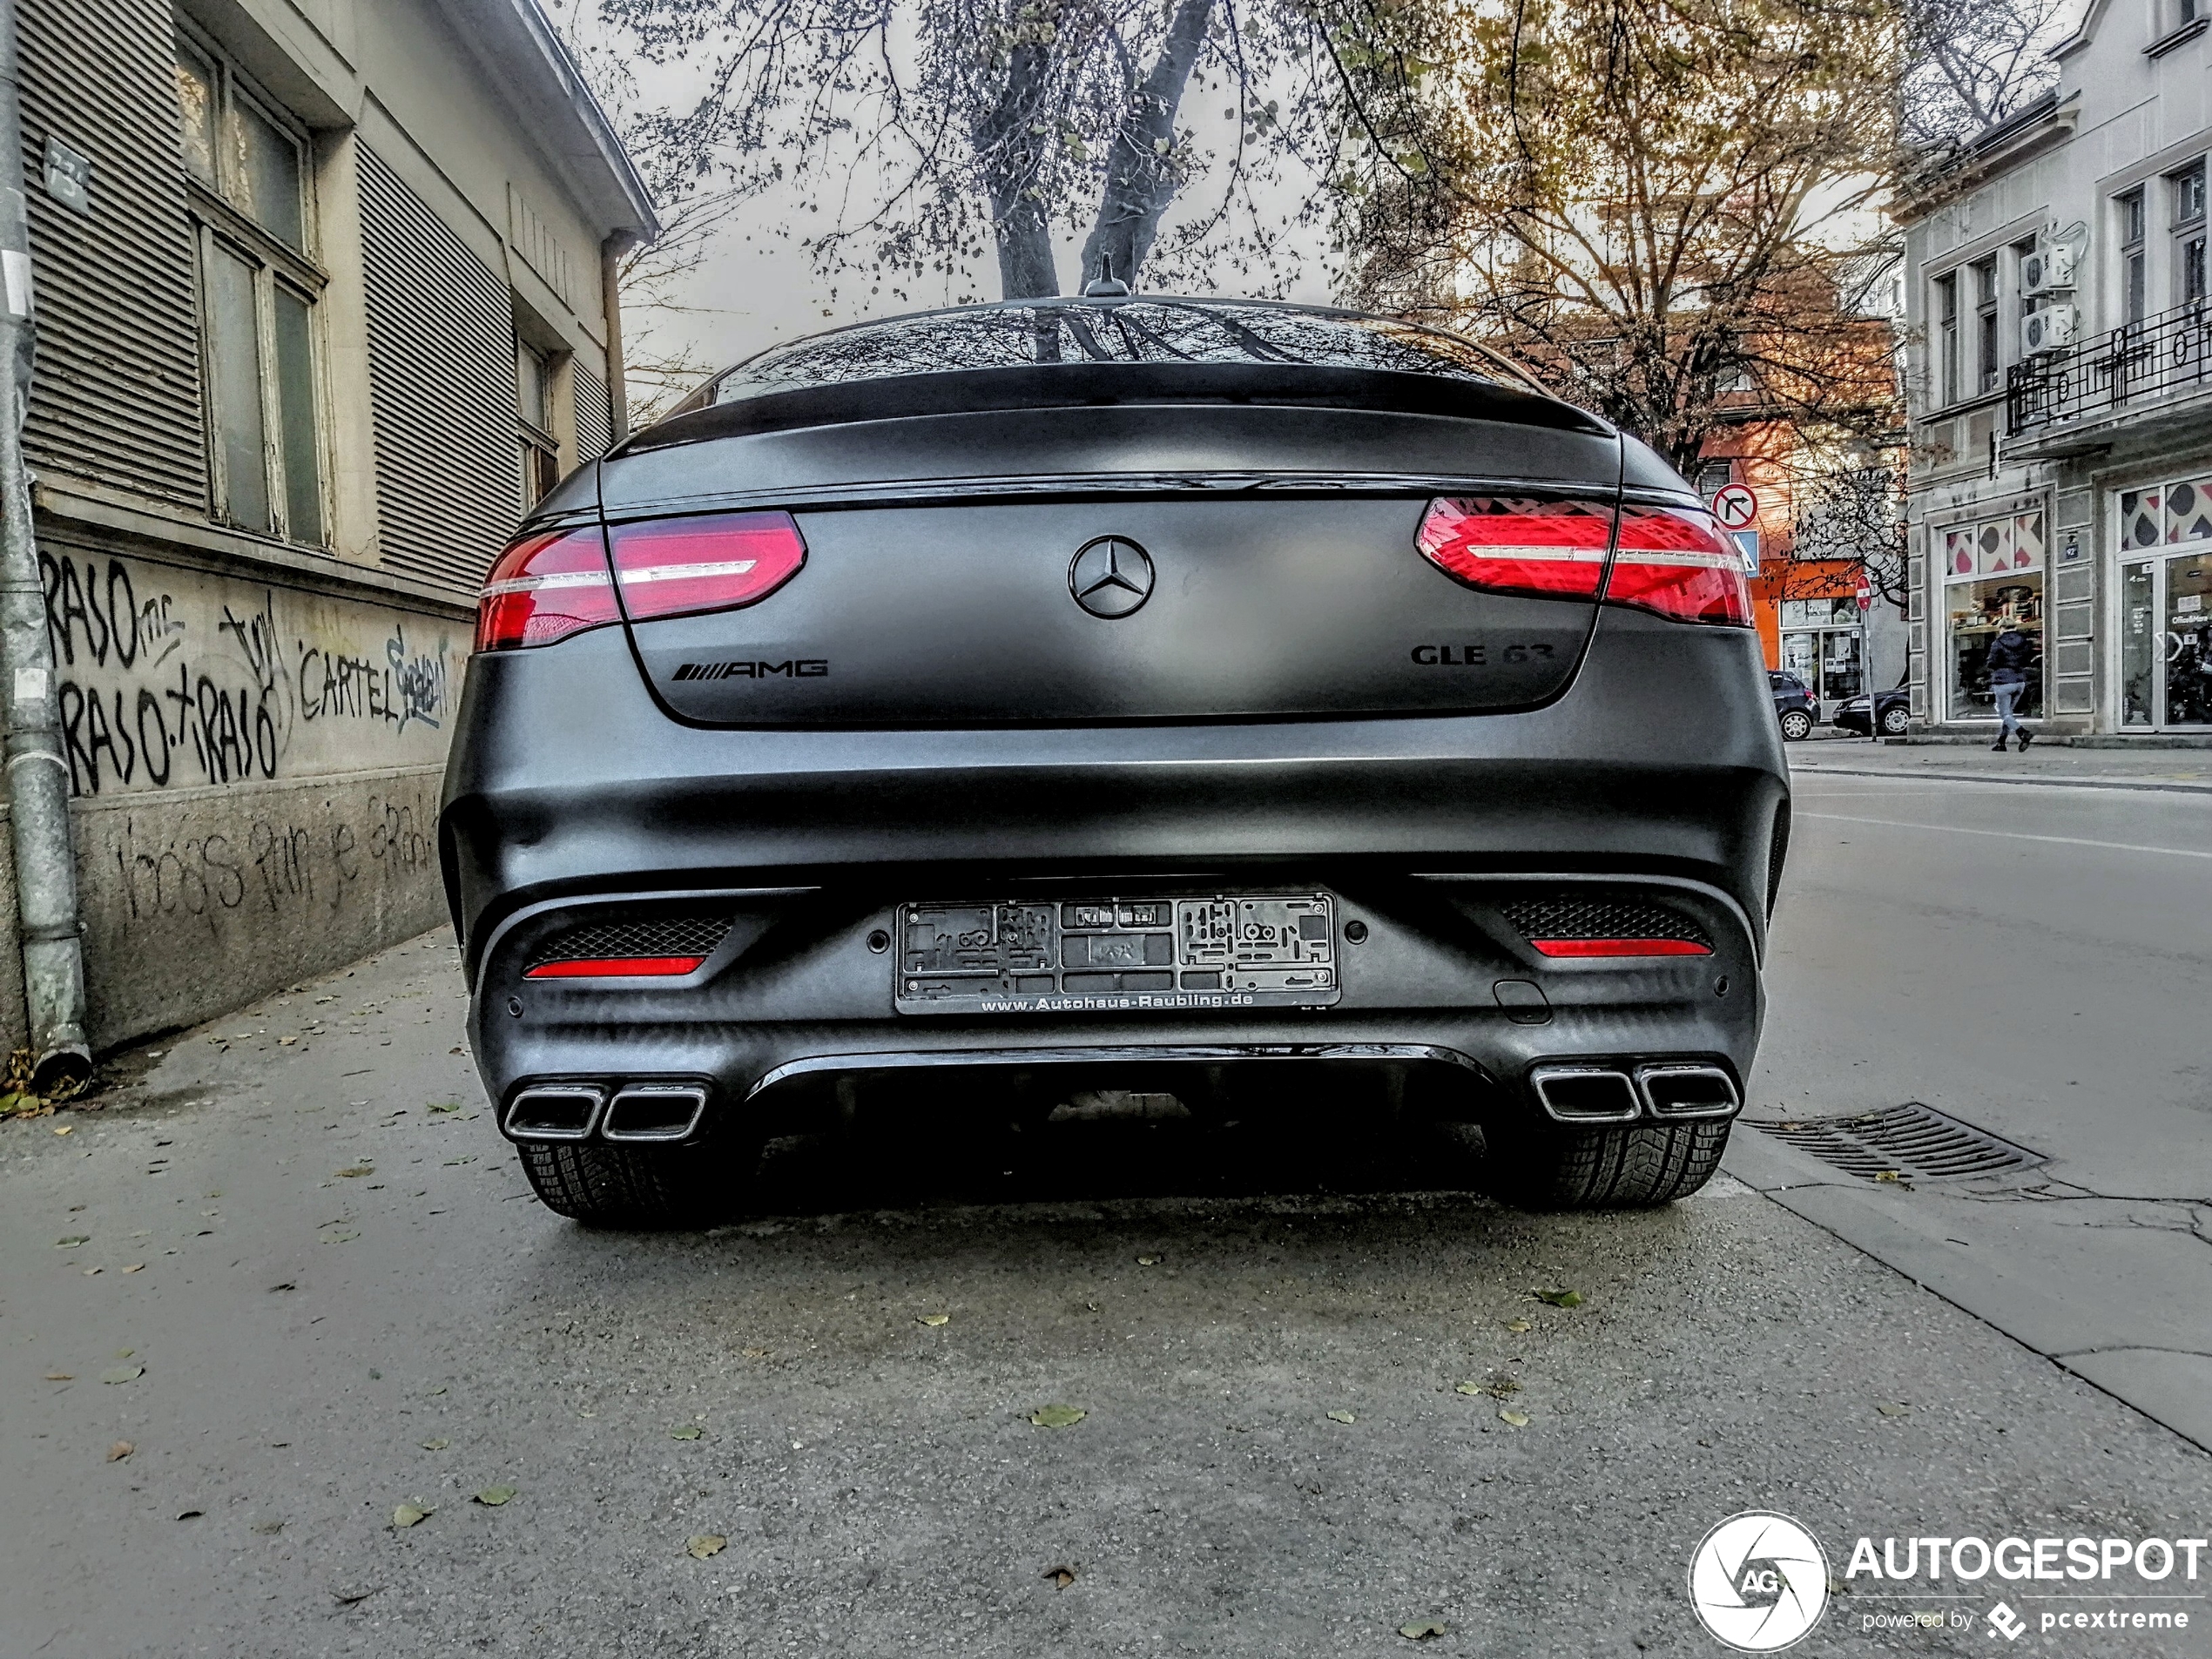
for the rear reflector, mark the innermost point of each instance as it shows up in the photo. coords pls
(1671, 560)
(551, 585)
(1621, 947)
(615, 967)
(672, 567)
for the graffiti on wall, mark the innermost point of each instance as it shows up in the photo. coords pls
(169, 679)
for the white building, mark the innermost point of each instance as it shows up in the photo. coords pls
(2061, 391)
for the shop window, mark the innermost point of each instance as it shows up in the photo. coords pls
(249, 194)
(2165, 598)
(1992, 580)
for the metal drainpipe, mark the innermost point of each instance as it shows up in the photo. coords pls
(46, 915)
(610, 252)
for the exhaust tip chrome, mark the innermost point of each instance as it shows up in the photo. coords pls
(1586, 1093)
(654, 1112)
(1678, 1091)
(555, 1112)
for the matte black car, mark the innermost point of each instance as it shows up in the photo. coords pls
(1796, 709)
(1891, 711)
(1157, 693)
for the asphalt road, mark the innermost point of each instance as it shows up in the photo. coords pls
(322, 1298)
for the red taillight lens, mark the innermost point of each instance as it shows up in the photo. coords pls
(1673, 561)
(615, 967)
(670, 567)
(1506, 545)
(1677, 562)
(1621, 947)
(545, 588)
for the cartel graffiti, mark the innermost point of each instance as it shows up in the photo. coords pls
(169, 679)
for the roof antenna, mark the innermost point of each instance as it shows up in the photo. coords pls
(1108, 286)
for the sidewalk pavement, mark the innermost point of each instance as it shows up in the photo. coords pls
(2186, 770)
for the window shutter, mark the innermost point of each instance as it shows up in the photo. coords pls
(441, 388)
(116, 394)
(595, 425)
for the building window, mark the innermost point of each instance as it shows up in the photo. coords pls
(2165, 596)
(2186, 191)
(1992, 581)
(2132, 268)
(2029, 303)
(251, 210)
(540, 455)
(1947, 365)
(1988, 365)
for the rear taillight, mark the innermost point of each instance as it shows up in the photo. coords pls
(670, 567)
(545, 588)
(1676, 561)
(1671, 560)
(551, 585)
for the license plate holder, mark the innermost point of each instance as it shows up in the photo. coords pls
(1117, 955)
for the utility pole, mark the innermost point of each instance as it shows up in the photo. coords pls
(46, 913)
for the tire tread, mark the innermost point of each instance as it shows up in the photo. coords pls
(1630, 1166)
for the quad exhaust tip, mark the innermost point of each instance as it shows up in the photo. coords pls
(1671, 1090)
(555, 1112)
(654, 1112)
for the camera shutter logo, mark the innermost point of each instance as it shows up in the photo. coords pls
(1759, 1582)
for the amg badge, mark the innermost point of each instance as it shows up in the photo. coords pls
(803, 668)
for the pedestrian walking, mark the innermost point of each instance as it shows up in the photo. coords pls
(2010, 655)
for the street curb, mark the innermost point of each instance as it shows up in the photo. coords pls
(2179, 788)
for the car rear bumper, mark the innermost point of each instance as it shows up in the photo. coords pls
(573, 800)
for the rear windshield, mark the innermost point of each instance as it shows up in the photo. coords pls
(1131, 331)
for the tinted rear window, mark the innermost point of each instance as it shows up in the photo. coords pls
(1136, 331)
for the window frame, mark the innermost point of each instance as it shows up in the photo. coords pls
(538, 457)
(1946, 335)
(2186, 191)
(2134, 242)
(1989, 347)
(220, 228)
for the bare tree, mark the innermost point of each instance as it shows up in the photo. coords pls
(1971, 63)
(935, 132)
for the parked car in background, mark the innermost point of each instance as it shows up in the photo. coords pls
(1794, 703)
(1890, 714)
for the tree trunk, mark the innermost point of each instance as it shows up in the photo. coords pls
(1141, 173)
(1012, 158)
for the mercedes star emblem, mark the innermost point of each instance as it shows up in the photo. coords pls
(1111, 577)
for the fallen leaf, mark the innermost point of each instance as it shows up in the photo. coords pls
(1057, 1416)
(1560, 1298)
(1342, 1417)
(120, 1450)
(338, 1238)
(445, 1105)
(357, 1169)
(267, 1528)
(1148, 1261)
(409, 1514)
(61, 1376)
(123, 1374)
(1894, 1411)
(1468, 1388)
(1518, 1419)
(90, 1271)
(192, 1514)
(71, 1241)
(435, 1446)
(1059, 1577)
(689, 1431)
(932, 1320)
(706, 1544)
(1517, 1326)
(1424, 1629)
(136, 1267)
(67, 1129)
(492, 1497)
(1890, 1174)
(347, 1598)
(471, 1159)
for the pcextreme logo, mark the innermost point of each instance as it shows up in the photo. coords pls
(1759, 1582)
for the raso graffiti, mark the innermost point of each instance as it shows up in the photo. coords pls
(170, 678)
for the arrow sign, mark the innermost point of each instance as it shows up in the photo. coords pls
(1735, 506)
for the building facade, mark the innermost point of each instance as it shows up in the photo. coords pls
(2062, 394)
(324, 300)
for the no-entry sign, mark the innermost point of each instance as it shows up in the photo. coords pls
(1735, 506)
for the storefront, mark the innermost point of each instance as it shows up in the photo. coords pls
(2164, 593)
(1824, 644)
(1992, 580)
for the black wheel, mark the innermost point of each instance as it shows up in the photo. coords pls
(1897, 720)
(643, 1187)
(1797, 724)
(1628, 1166)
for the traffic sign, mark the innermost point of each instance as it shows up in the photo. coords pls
(1735, 506)
(1865, 593)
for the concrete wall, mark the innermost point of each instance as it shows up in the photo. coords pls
(256, 757)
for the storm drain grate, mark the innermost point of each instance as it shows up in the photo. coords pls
(1906, 1143)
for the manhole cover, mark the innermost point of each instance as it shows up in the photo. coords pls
(1906, 1143)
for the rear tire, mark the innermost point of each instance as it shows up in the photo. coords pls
(1797, 724)
(1896, 721)
(638, 1187)
(1628, 1166)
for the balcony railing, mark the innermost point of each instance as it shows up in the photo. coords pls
(2133, 364)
